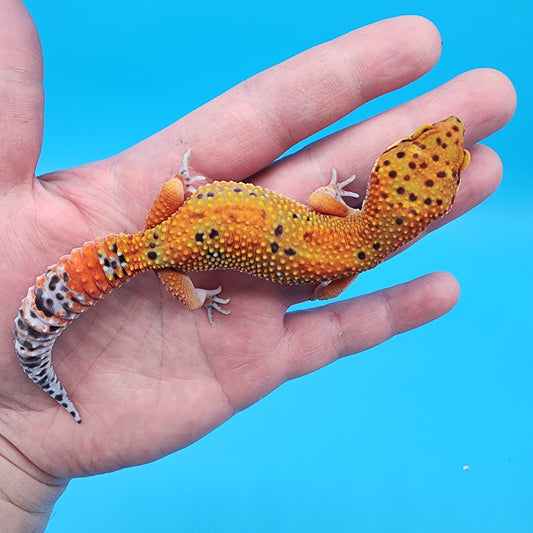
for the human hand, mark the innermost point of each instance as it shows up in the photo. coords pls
(149, 376)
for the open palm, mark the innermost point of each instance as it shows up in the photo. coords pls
(148, 376)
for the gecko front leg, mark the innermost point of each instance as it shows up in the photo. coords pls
(329, 200)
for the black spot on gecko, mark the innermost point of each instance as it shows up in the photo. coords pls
(40, 305)
(42, 381)
(290, 251)
(114, 263)
(435, 157)
(399, 221)
(400, 190)
(413, 197)
(152, 255)
(441, 174)
(210, 194)
(213, 234)
(34, 362)
(199, 196)
(427, 201)
(32, 332)
(54, 280)
(400, 155)
(295, 215)
(252, 193)
(237, 189)
(199, 237)
(376, 246)
(392, 174)
(155, 236)
(412, 165)
(28, 345)
(361, 255)
(115, 250)
(278, 232)
(274, 247)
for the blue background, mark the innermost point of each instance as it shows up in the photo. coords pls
(375, 442)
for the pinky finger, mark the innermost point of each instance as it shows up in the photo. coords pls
(319, 336)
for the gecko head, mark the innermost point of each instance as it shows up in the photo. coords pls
(414, 182)
(444, 142)
(418, 177)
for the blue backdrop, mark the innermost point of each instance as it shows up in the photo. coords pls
(373, 443)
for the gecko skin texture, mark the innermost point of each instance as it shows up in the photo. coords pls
(239, 226)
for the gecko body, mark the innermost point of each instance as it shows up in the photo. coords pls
(244, 227)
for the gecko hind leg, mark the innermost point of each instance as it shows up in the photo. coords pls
(172, 194)
(181, 286)
(183, 172)
(168, 201)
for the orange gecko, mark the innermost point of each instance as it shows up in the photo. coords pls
(239, 226)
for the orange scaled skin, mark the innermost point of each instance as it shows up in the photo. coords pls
(239, 226)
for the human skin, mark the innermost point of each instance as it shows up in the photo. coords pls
(192, 377)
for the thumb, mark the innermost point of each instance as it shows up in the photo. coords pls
(21, 95)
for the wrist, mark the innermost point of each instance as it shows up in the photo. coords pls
(27, 494)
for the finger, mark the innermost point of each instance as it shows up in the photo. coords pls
(246, 128)
(21, 94)
(484, 99)
(319, 336)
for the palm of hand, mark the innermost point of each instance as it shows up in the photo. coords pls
(139, 359)
(149, 376)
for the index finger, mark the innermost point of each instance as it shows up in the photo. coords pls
(246, 128)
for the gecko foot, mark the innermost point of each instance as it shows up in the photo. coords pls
(337, 189)
(184, 171)
(212, 301)
(329, 199)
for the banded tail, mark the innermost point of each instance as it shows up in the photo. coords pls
(60, 295)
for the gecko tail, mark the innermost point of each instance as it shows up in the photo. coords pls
(40, 370)
(36, 329)
(60, 295)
